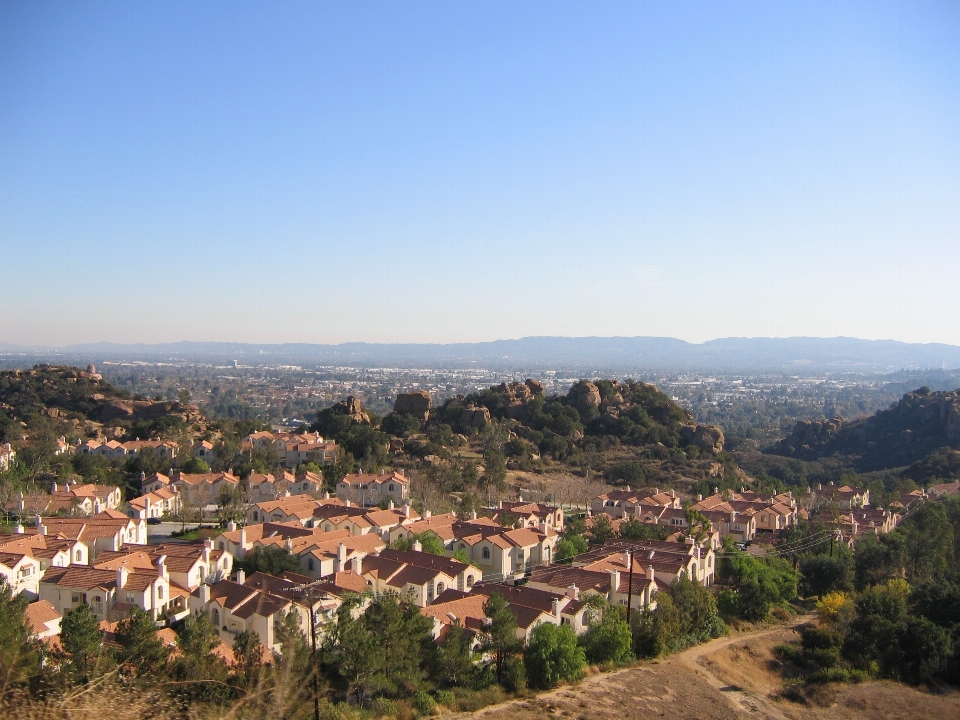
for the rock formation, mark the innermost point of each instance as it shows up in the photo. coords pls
(584, 395)
(709, 438)
(417, 404)
(352, 407)
(475, 417)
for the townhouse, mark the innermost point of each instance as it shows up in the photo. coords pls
(293, 449)
(368, 489)
(21, 573)
(620, 503)
(414, 575)
(669, 560)
(234, 607)
(525, 514)
(204, 488)
(48, 550)
(109, 530)
(8, 456)
(110, 594)
(163, 502)
(267, 486)
(44, 621)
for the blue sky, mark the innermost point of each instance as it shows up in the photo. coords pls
(441, 172)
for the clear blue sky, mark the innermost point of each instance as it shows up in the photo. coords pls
(455, 171)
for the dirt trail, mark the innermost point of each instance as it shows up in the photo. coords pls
(737, 677)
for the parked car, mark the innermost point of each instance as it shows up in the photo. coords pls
(153, 521)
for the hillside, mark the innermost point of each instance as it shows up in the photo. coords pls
(921, 423)
(81, 397)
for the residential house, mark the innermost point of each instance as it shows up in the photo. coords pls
(164, 502)
(8, 457)
(21, 573)
(109, 530)
(234, 607)
(44, 620)
(111, 594)
(370, 489)
(204, 488)
(203, 450)
(618, 503)
(162, 449)
(527, 514)
(48, 550)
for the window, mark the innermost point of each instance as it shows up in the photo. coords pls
(391, 487)
(131, 598)
(440, 588)
(222, 546)
(310, 564)
(160, 592)
(75, 597)
(469, 581)
(486, 553)
(216, 618)
(256, 516)
(78, 556)
(519, 553)
(26, 570)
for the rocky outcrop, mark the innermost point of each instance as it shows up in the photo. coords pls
(475, 417)
(536, 387)
(352, 408)
(709, 438)
(141, 410)
(920, 423)
(584, 395)
(417, 404)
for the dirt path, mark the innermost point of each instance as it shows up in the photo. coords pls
(683, 682)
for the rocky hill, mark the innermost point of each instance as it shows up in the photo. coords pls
(77, 396)
(921, 423)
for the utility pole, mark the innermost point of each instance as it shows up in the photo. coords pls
(630, 586)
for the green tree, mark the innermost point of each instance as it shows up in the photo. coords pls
(928, 547)
(553, 655)
(271, 559)
(200, 673)
(455, 657)
(140, 649)
(81, 638)
(696, 608)
(570, 546)
(19, 651)
(633, 529)
(656, 631)
(195, 466)
(602, 529)
(821, 574)
(608, 638)
(500, 634)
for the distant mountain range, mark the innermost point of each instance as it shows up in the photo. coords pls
(797, 354)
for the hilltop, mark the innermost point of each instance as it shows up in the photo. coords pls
(918, 425)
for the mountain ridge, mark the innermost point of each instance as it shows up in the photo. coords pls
(617, 352)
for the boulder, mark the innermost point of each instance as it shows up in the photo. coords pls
(475, 417)
(584, 395)
(517, 410)
(352, 407)
(417, 404)
(536, 387)
(709, 438)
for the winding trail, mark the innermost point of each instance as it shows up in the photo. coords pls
(742, 703)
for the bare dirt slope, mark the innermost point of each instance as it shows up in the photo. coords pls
(733, 677)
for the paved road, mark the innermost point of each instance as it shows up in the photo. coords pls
(157, 534)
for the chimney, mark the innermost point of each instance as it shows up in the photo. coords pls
(651, 575)
(390, 505)
(242, 550)
(573, 592)
(406, 510)
(326, 495)
(614, 583)
(37, 521)
(733, 516)
(689, 540)
(699, 497)
(627, 561)
(417, 546)
(427, 514)
(473, 514)
(18, 529)
(341, 558)
(161, 565)
(241, 577)
(122, 573)
(346, 503)
(42, 529)
(289, 544)
(54, 488)
(231, 526)
(207, 547)
(556, 609)
(356, 564)
(204, 594)
(628, 488)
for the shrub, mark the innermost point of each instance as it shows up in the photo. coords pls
(445, 697)
(423, 703)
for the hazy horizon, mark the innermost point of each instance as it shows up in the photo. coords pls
(432, 172)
